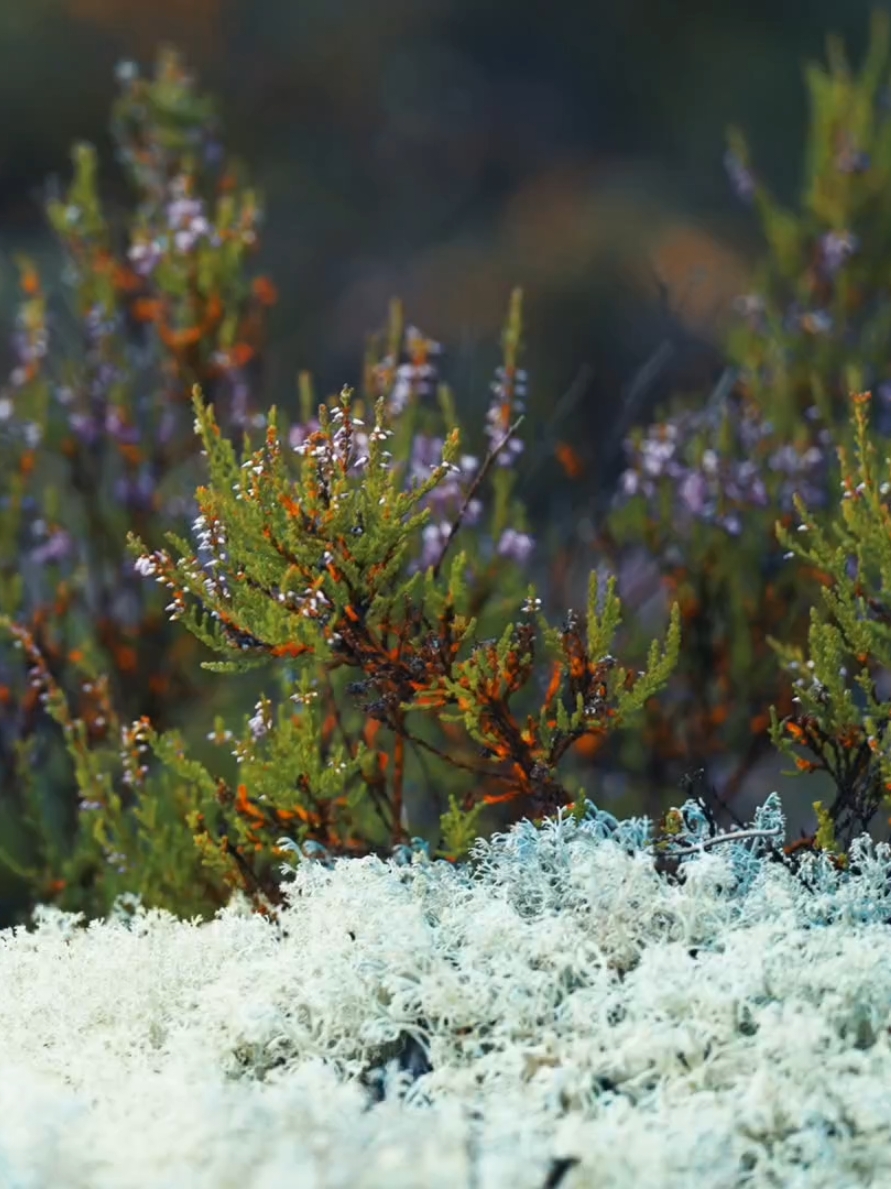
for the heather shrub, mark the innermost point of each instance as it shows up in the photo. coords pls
(95, 441)
(94, 425)
(304, 559)
(313, 556)
(841, 716)
(395, 684)
(705, 486)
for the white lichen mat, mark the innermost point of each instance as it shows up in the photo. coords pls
(564, 1016)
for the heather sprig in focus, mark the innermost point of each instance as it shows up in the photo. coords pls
(307, 558)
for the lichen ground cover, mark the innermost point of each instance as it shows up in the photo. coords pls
(560, 1013)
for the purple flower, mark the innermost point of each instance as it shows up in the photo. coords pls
(298, 434)
(449, 494)
(508, 391)
(434, 537)
(119, 430)
(416, 376)
(515, 545)
(412, 379)
(182, 210)
(55, 549)
(732, 524)
(167, 426)
(145, 255)
(259, 725)
(138, 492)
(84, 427)
(739, 482)
(741, 178)
(99, 325)
(836, 248)
(694, 492)
(751, 306)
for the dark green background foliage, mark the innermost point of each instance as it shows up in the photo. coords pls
(448, 149)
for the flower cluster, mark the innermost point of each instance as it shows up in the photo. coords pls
(407, 377)
(508, 393)
(755, 467)
(444, 500)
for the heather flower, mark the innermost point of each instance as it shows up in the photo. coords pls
(741, 178)
(433, 540)
(509, 390)
(694, 490)
(154, 308)
(416, 376)
(836, 248)
(145, 254)
(299, 434)
(126, 72)
(718, 489)
(753, 309)
(85, 427)
(186, 218)
(448, 496)
(118, 428)
(261, 722)
(136, 491)
(515, 545)
(56, 548)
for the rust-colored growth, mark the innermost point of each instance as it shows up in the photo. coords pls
(265, 291)
(570, 460)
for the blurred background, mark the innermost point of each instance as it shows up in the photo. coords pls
(444, 151)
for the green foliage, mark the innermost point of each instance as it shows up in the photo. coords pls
(95, 442)
(342, 572)
(843, 716)
(826, 314)
(304, 568)
(362, 578)
(707, 487)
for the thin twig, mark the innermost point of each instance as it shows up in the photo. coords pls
(472, 490)
(441, 755)
(564, 406)
(690, 848)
